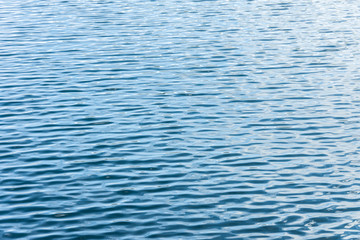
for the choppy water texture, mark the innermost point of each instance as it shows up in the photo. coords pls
(179, 119)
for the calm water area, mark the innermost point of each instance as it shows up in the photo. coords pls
(169, 119)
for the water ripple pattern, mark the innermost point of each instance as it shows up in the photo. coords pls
(193, 119)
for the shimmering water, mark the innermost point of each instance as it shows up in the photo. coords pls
(177, 119)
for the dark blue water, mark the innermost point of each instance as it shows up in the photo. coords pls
(179, 119)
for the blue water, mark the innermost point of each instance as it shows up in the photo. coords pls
(179, 119)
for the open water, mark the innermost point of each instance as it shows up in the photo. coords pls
(169, 119)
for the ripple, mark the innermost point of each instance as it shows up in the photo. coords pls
(179, 120)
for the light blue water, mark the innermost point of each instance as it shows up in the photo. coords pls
(179, 119)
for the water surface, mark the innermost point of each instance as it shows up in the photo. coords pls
(179, 119)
